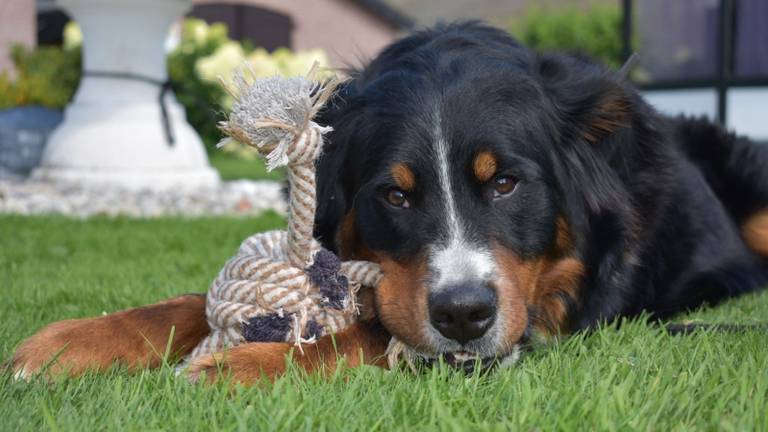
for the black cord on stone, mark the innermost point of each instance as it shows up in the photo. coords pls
(164, 87)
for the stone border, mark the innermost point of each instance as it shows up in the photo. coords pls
(239, 197)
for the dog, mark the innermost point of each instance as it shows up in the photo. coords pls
(506, 195)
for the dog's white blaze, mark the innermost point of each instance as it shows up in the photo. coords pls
(455, 231)
(455, 260)
(459, 262)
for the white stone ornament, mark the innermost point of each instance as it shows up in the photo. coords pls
(113, 133)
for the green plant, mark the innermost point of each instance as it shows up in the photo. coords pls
(46, 76)
(201, 98)
(207, 55)
(595, 31)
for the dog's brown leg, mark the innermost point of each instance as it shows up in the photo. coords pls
(135, 338)
(361, 343)
(755, 232)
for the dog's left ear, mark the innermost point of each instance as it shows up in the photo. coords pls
(593, 103)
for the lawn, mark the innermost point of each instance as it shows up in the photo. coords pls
(635, 378)
(231, 167)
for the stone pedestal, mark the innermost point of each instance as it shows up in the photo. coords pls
(112, 132)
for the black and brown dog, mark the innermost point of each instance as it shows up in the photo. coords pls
(504, 194)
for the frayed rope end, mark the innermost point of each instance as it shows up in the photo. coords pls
(273, 114)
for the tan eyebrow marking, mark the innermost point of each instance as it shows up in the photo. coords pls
(403, 177)
(484, 165)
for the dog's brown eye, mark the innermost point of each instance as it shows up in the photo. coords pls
(397, 198)
(503, 185)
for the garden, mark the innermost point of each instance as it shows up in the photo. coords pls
(634, 378)
(630, 375)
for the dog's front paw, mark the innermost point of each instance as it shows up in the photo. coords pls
(207, 367)
(245, 364)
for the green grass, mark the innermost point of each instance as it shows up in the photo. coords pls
(636, 378)
(231, 167)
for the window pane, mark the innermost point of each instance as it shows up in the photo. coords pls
(751, 54)
(677, 40)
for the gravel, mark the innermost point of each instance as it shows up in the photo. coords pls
(240, 197)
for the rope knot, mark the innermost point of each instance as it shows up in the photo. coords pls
(305, 149)
(260, 296)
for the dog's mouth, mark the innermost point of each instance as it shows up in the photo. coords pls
(478, 356)
(470, 362)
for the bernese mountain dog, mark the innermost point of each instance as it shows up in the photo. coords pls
(506, 195)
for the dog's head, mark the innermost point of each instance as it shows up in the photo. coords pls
(446, 167)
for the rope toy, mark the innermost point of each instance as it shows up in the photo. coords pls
(282, 286)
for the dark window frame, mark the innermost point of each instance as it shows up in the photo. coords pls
(725, 77)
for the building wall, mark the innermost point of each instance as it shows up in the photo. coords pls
(18, 24)
(347, 32)
(497, 12)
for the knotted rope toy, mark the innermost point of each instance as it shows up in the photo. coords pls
(282, 286)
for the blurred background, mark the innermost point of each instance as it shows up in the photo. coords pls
(699, 57)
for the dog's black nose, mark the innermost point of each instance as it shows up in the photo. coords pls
(463, 312)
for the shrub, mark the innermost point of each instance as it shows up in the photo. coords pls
(595, 31)
(206, 54)
(46, 76)
(202, 99)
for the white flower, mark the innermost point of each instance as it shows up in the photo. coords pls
(222, 62)
(285, 62)
(73, 36)
(197, 29)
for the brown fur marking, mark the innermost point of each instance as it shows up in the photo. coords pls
(558, 286)
(350, 248)
(401, 300)
(755, 232)
(563, 239)
(135, 338)
(361, 343)
(484, 166)
(512, 303)
(547, 283)
(348, 242)
(403, 176)
(611, 113)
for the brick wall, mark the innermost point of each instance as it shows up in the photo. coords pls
(347, 32)
(18, 24)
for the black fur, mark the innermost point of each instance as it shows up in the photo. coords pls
(653, 204)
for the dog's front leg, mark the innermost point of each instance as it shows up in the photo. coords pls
(361, 343)
(135, 338)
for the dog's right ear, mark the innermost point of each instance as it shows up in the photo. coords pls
(593, 103)
(333, 200)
